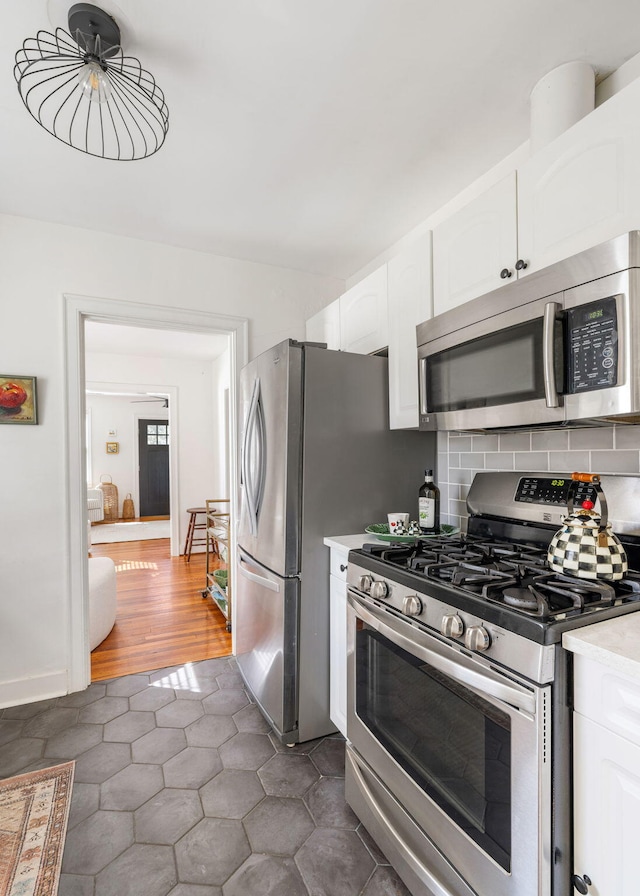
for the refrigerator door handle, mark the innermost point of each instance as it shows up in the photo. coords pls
(254, 577)
(250, 486)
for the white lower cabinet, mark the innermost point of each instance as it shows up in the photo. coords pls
(606, 779)
(338, 640)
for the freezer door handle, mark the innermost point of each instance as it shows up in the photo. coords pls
(254, 577)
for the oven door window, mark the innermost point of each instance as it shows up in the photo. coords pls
(502, 368)
(455, 745)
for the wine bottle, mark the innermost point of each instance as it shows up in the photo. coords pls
(429, 505)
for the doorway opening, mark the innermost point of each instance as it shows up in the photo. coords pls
(80, 311)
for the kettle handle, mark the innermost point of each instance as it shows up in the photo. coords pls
(594, 479)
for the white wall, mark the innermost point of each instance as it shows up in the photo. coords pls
(40, 263)
(113, 412)
(199, 439)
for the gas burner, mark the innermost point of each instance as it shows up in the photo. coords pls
(550, 596)
(476, 578)
(520, 597)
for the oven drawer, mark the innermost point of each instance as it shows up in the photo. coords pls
(422, 867)
(608, 697)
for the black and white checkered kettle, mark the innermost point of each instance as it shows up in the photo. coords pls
(586, 545)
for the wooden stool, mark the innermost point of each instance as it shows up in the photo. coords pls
(193, 525)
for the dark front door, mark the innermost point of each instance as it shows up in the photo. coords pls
(153, 450)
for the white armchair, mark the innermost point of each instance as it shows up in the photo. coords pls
(95, 505)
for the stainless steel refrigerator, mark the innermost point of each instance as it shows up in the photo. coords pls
(317, 459)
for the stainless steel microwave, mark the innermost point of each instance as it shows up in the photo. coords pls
(560, 347)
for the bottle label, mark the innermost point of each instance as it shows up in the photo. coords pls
(427, 512)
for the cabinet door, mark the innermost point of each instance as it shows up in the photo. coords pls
(584, 187)
(606, 809)
(409, 285)
(325, 326)
(363, 315)
(474, 245)
(338, 653)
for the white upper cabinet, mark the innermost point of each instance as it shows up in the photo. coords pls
(584, 187)
(581, 189)
(409, 295)
(325, 326)
(476, 249)
(363, 315)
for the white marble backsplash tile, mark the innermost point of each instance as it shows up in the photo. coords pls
(607, 449)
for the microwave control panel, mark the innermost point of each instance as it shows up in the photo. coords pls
(592, 346)
(539, 490)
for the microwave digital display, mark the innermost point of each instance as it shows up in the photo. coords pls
(592, 346)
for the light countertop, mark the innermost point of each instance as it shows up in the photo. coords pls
(347, 542)
(614, 643)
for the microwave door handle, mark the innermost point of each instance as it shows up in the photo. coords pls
(422, 386)
(481, 683)
(551, 311)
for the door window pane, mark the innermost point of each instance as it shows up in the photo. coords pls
(157, 433)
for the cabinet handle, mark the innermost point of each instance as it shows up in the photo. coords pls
(343, 567)
(505, 273)
(521, 264)
(581, 884)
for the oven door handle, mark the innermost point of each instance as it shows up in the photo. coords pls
(483, 682)
(420, 870)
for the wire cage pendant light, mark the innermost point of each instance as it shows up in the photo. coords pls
(79, 87)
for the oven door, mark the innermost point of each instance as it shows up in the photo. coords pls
(501, 372)
(455, 751)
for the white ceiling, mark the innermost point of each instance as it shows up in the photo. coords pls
(127, 340)
(305, 133)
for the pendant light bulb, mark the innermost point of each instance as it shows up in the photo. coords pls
(94, 82)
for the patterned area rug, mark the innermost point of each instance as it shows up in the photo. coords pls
(34, 809)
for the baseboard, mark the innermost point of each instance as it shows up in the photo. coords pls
(30, 690)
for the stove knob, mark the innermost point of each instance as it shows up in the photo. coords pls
(412, 605)
(477, 638)
(365, 583)
(379, 589)
(452, 626)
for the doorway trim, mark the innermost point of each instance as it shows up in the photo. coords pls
(77, 310)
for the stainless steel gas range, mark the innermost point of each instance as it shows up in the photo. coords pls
(459, 691)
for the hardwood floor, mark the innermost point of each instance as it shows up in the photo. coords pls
(162, 618)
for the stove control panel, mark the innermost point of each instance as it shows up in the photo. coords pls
(540, 490)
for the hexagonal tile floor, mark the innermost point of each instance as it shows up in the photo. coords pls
(180, 790)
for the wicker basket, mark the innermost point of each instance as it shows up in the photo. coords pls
(110, 492)
(128, 510)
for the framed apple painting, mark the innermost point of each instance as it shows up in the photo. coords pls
(18, 399)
